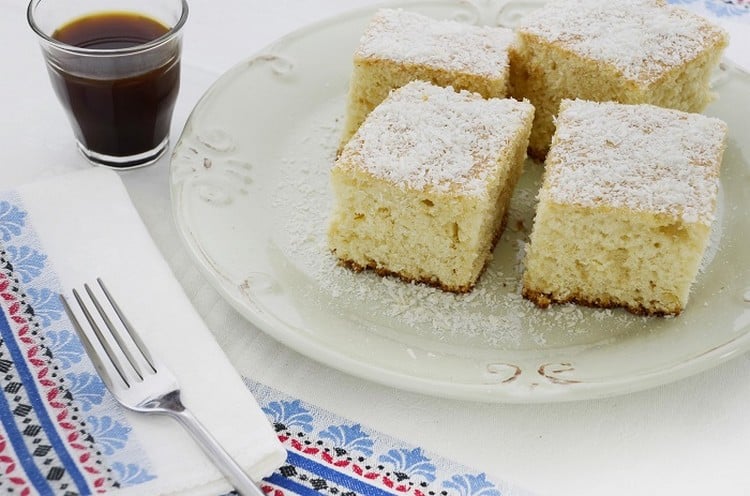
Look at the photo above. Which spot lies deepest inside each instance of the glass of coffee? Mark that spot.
(115, 66)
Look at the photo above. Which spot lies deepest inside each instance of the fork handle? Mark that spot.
(241, 482)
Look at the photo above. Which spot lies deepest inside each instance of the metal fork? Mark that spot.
(144, 384)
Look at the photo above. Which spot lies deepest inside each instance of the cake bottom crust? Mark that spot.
(544, 300)
(383, 272)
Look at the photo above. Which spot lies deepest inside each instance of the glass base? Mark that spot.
(127, 162)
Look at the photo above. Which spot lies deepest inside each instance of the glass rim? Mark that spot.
(165, 38)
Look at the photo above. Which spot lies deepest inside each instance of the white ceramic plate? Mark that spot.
(249, 184)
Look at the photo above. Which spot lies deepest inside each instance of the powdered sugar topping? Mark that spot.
(404, 36)
(641, 38)
(427, 137)
(639, 157)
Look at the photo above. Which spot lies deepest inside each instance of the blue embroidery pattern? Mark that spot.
(289, 414)
(728, 8)
(109, 434)
(65, 347)
(46, 305)
(719, 8)
(351, 438)
(11, 220)
(472, 485)
(87, 388)
(27, 262)
(409, 462)
(50, 468)
(347, 459)
(131, 474)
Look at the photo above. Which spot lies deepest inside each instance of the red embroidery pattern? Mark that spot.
(48, 386)
(348, 466)
(8, 467)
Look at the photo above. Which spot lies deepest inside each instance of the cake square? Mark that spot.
(628, 51)
(422, 188)
(625, 208)
(399, 46)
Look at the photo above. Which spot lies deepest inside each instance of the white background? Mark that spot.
(690, 437)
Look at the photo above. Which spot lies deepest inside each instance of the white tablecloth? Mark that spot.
(690, 437)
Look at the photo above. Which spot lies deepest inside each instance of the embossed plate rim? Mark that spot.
(551, 383)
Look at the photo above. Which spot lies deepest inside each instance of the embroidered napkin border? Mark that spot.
(330, 455)
(60, 429)
(736, 9)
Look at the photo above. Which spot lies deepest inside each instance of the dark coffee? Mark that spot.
(111, 116)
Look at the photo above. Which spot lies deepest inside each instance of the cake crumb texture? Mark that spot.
(422, 189)
(625, 207)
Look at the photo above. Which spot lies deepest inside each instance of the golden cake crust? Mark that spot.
(544, 300)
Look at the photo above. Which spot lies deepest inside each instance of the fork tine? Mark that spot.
(128, 327)
(113, 331)
(102, 340)
(104, 371)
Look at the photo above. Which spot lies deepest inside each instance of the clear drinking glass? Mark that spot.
(115, 67)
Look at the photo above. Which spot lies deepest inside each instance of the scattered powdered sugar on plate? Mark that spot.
(712, 248)
(493, 315)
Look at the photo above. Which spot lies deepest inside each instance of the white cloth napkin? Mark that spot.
(87, 227)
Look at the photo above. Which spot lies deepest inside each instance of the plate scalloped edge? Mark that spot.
(211, 169)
